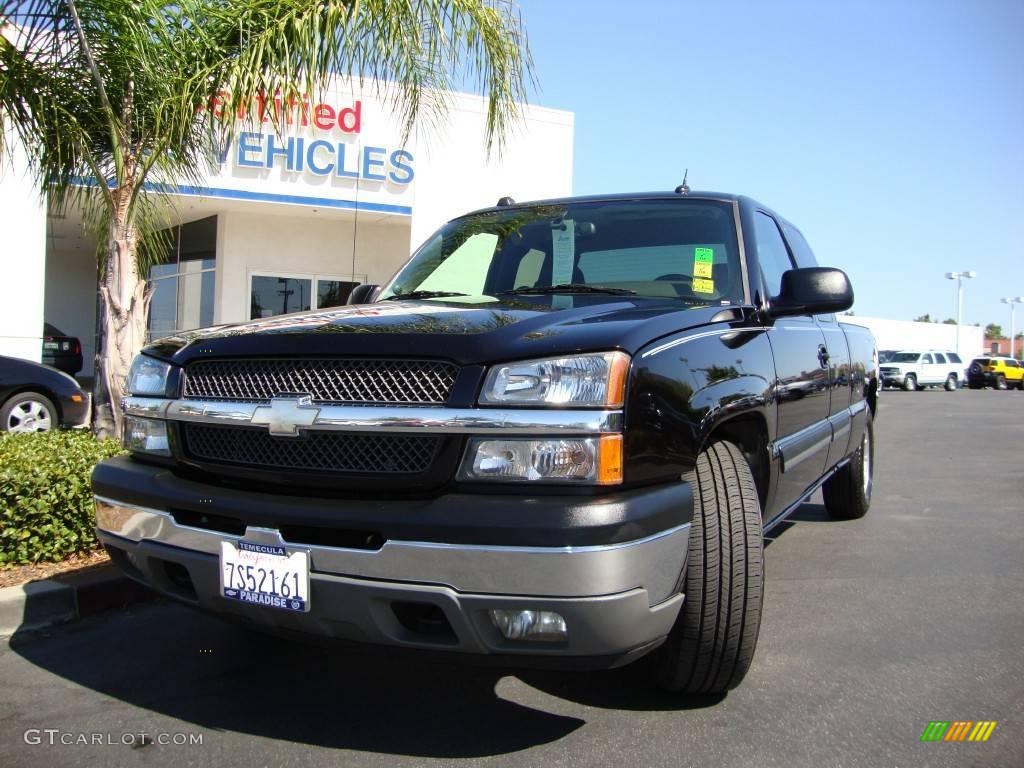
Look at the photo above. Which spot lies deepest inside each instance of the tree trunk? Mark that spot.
(124, 308)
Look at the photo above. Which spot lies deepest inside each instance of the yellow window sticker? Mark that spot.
(703, 258)
(700, 285)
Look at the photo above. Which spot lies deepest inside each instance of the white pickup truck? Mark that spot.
(919, 369)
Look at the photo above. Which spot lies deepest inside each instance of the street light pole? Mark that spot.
(1013, 301)
(959, 277)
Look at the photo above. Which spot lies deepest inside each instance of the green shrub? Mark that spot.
(46, 508)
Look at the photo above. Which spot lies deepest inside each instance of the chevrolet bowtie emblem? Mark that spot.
(285, 415)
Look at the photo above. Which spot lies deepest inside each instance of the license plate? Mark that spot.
(51, 345)
(264, 574)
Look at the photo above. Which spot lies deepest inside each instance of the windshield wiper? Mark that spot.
(424, 295)
(540, 290)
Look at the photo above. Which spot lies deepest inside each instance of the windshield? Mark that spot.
(904, 357)
(675, 249)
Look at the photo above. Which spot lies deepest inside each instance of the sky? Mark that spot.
(891, 133)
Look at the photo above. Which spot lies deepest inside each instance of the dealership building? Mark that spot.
(287, 219)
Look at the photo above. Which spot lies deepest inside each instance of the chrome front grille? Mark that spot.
(315, 451)
(354, 381)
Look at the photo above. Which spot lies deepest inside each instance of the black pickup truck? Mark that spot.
(555, 437)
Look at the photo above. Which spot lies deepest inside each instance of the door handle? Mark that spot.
(823, 355)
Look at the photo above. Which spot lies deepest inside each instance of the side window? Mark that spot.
(939, 358)
(954, 358)
(926, 359)
(1012, 364)
(771, 252)
(798, 245)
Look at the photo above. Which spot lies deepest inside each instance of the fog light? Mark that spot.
(146, 435)
(543, 626)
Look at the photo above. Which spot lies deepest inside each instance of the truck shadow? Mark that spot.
(805, 513)
(217, 677)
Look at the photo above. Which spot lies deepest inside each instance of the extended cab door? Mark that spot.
(802, 383)
(837, 356)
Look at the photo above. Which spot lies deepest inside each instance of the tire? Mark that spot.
(848, 492)
(910, 382)
(710, 648)
(1000, 381)
(951, 383)
(28, 412)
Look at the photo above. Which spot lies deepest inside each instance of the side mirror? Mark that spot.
(812, 291)
(364, 293)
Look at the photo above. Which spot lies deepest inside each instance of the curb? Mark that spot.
(67, 597)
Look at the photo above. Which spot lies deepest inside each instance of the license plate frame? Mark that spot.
(265, 575)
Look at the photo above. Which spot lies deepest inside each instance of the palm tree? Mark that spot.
(107, 96)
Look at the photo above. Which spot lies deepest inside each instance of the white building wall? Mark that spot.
(300, 244)
(71, 298)
(908, 335)
(455, 175)
(22, 257)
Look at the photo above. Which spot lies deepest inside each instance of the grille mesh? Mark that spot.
(322, 451)
(396, 382)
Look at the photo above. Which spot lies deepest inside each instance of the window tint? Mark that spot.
(798, 245)
(954, 357)
(940, 358)
(771, 252)
(904, 357)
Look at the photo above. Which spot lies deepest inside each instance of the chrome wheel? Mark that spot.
(28, 413)
(866, 469)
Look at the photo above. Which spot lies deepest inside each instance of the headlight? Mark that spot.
(593, 460)
(147, 377)
(146, 435)
(577, 381)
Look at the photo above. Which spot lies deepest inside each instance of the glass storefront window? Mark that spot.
(183, 284)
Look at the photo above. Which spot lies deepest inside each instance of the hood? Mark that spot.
(464, 332)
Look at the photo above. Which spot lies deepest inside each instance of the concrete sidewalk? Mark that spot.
(67, 597)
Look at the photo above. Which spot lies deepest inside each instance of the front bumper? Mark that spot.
(618, 598)
(894, 379)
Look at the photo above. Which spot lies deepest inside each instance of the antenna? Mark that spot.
(684, 188)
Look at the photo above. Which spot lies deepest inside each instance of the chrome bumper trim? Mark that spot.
(347, 418)
(653, 563)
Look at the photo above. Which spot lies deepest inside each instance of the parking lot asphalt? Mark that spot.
(872, 629)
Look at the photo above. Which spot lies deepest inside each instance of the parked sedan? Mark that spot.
(37, 398)
(61, 351)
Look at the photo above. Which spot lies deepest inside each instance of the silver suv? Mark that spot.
(919, 369)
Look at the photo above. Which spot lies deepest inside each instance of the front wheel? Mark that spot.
(1000, 381)
(910, 382)
(848, 492)
(710, 648)
(28, 412)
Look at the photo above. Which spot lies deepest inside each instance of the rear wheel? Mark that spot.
(951, 383)
(710, 648)
(910, 382)
(848, 492)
